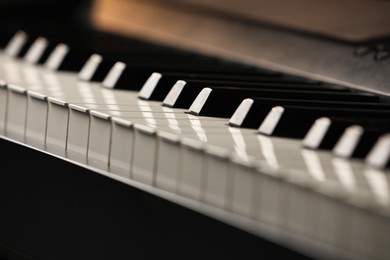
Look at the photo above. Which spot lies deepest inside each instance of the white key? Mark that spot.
(15, 45)
(3, 105)
(379, 156)
(268, 208)
(87, 71)
(218, 175)
(113, 75)
(241, 187)
(99, 140)
(36, 121)
(239, 114)
(122, 143)
(191, 179)
(57, 56)
(174, 93)
(78, 133)
(370, 233)
(16, 112)
(149, 86)
(168, 163)
(316, 133)
(36, 50)
(145, 154)
(348, 141)
(271, 120)
(57, 126)
(274, 181)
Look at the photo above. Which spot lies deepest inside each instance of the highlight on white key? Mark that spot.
(174, 93)
(113, 75)
(36, 50)
(56, 57)
(149, 86)
(200, 100)
(16, 43)
(379, 155)
(316, 133)
(242, 110)
(88, 70)
(270, 122)
(348, 141)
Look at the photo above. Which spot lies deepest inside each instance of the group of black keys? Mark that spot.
(300, 101)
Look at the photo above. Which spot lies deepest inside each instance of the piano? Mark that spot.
(190, 129)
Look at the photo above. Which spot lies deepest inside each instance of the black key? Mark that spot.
(39, 51)
(379, 155)
(239, 80)
(63, 58)
(31, 39)
(5, 37)
(135, 77)
(356, 142)
(48, 50)
(162, 59)
(151, 57)
(326, 132)
(221, 102)
(181, 95)
(248, 113)
(95, 68)
(160, 89)
(25, 47)
(120, 76)
(295, 122)
(17, 44)
(34, 49)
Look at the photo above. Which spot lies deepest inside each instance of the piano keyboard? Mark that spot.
(281, 157)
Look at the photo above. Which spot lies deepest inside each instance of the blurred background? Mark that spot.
(347, 20)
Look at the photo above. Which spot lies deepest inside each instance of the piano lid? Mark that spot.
(347, 20)
(314, 39)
